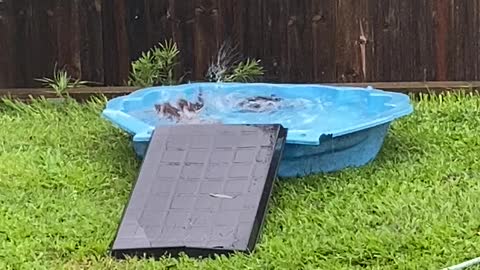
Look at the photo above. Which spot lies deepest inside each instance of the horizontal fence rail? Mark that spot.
(86, 93)
(314, 41)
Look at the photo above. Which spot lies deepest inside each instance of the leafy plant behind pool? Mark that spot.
(61, 82)
(245, 71)
(157, 66)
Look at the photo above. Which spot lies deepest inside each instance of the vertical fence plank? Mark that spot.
(91, 40)
(464, 48)
(402, 39)
(323, 40)
(232, 14)
(20, 42)
(272, 31)
(68, 36)
(36, 38)
(7, 44)
(350, 35)
(182, 21)
(206, 32)
(388, 44)
(115, 42)
(441, 21)
(405, 40)
(275, 56)
(472, 43)
(253, 38)
(158, 25)
(298, 47)
(380, 26)
(136, 21)
(422, 18)
(456, 42)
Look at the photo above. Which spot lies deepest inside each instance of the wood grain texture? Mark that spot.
(276, 35)
(91, 40)
(181, 16)
(116, 53)
(463, 44)
(254, 28)
(351, 37)
(297, 40)
(441, 14)
(299, 32)
(7, 44)
(35, 40)
(472, 45)
(66, 30)
(423, 25)
(323, 40)
(207, 28)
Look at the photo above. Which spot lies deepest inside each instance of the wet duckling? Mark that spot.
(168, 111)
(184, 110)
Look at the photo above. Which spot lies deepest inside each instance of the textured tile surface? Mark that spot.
(202, 189)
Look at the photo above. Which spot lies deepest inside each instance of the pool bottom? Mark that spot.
(333, 154)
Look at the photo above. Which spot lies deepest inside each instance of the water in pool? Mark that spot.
(299, 114)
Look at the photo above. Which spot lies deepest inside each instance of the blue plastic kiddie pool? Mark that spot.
(329, 128)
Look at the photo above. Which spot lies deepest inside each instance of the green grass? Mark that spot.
(65, 175)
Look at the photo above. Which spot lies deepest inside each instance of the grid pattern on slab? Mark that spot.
(199, 186)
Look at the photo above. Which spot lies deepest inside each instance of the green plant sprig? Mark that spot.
(246, 71)
(156, 66)
(61, 82)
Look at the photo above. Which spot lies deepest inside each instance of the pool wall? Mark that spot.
(353, 145)
(352, 150)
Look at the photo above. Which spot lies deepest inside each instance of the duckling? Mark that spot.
(168, 111)
(184, 111)
(182, 104)
(187, 106)
(259, 103)
(187, 111)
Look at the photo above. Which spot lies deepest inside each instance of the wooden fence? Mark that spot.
(297, 40)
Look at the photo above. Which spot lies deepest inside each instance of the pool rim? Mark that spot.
(142, 131)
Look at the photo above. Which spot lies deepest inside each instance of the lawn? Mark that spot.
(65, 175)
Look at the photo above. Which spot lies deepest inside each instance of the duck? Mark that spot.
(168, 111)
(184, 111)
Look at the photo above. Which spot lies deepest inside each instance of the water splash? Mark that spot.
(241, 107)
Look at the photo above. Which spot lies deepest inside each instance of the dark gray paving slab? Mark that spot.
(201, 190)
